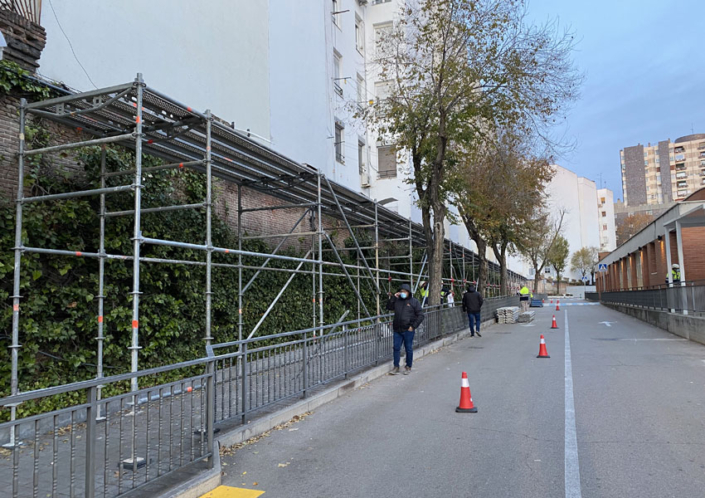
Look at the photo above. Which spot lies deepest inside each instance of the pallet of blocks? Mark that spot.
(508, 314)
(526, 317)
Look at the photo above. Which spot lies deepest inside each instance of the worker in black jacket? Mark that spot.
(472, 304)
(407, 318)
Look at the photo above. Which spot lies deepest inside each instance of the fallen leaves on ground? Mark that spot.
(230, 450)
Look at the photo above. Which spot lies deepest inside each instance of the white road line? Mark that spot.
(572, 466)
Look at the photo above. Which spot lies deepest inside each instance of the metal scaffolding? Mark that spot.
(146, 121)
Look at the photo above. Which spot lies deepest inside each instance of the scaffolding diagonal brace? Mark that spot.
(350, 281)
(352, 234)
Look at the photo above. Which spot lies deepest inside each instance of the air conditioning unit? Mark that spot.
(365, 180)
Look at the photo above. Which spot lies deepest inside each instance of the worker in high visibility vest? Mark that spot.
(524, 298)
(676, 273)
(424, 293)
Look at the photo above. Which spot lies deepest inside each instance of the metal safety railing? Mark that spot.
(128, 440)
(688, 297)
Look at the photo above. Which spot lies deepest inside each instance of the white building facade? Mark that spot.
(290, 73)
(608, 230)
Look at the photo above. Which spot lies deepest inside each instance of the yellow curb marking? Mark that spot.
(230, 492)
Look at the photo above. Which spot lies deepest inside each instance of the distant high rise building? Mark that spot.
(663, 172)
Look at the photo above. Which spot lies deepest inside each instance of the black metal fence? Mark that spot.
(685, 296)
(109, 447)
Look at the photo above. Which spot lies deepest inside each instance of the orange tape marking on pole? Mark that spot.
(100, 318)
(137, 119)
(135, 324)
(15, 307)
(227, 251)
(181, 165)
(78, 253)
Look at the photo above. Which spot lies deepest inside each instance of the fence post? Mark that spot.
(378, 334)
(90, 442)
(305, 363)
(210, 410)
(345, 349)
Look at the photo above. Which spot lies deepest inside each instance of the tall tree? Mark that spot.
(543, 233)
(631, 225)
(453, 67)
(558, 257)
(583, 261)
(497, 191)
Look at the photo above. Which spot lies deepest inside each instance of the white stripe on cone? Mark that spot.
(465, 383)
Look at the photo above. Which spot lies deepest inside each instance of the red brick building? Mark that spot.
(675, 237)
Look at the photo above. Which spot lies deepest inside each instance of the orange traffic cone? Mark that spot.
(558, 305)
(466, 405)
(554, 325)
(542, 349)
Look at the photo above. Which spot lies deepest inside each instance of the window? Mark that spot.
(682, 184)
(377, 2)
(680, 157)
(339, 142)
(604, 227)
(680, 166)
(359, 35)
(646, 163)
(382, 39)
(361, 156)
(682, 175)
(604, 214)
(387, 160)
(602, 200)
(701, 146)
(383, 89)
(361, 97)
(702, 163)
(337, 71)
(336, 8)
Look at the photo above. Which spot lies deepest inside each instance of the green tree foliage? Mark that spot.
(584, 260)
(558, 257)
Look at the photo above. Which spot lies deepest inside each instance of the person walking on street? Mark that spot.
(524, 298)
(450, 299)
(408, 315)
(472, 305)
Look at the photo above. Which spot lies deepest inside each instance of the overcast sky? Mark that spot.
(644, 66)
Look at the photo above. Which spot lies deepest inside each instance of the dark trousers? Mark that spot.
(406, 337)
(474, 319)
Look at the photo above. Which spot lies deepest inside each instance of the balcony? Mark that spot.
(680, 166)
(677, 150)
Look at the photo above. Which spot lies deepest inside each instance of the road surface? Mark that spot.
(637, 429)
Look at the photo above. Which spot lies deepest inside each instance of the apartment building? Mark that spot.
(663, 172)
(606, 220)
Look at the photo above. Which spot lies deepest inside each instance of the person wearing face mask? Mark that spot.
(408, 315)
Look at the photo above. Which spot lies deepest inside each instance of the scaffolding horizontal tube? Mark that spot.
(154, 168)
(43, 104)
(286, 206)
(278, 235)
(108, 102)
(75, 145)
(79, 193)
(199, 247)
(164, 209)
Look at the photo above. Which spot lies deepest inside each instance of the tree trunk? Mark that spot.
(537, 277)
(436, 259)
(482, 269)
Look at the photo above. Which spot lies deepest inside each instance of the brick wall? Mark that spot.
(56, 163)
(25, 39)
(694, 252)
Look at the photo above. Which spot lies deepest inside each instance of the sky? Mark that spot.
(644, 68)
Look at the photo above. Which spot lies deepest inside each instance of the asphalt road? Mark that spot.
(639, 397)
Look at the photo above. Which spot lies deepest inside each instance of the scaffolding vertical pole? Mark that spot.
(14, 348)
(134, 348)
(101, 279)
(465, 275)
(379, 311)
(358, 286)
(209, 242)
(239, 267)
(320, 256)
(411, 255)
(450, 246)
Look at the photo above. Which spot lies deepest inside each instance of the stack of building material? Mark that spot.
(526, 317)
(508, 314)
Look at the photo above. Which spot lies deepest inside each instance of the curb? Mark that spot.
(208, 481)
